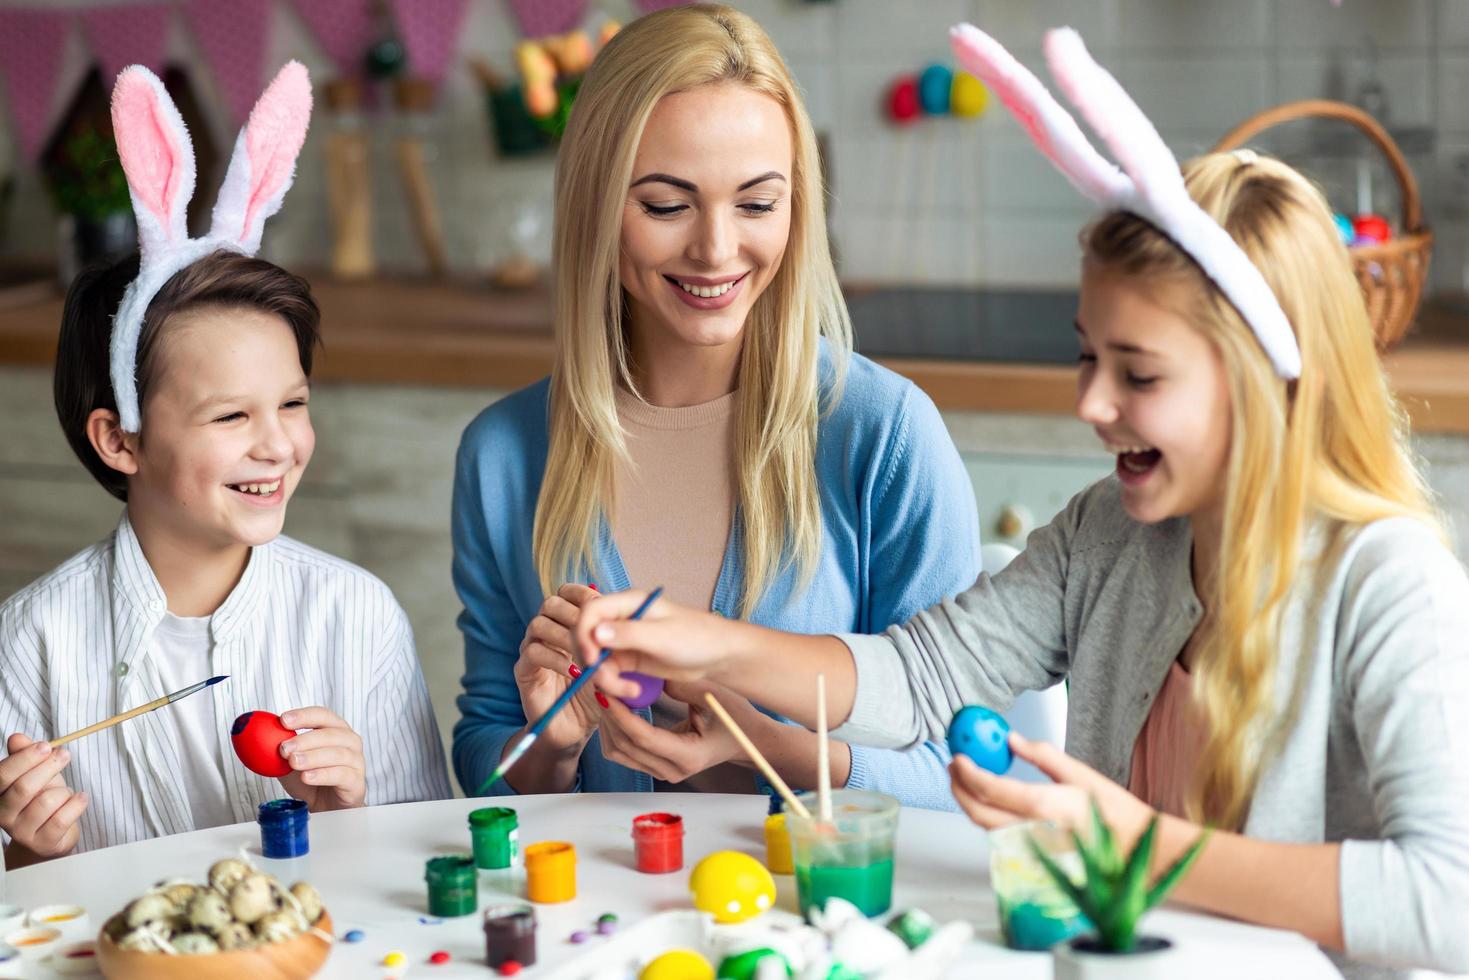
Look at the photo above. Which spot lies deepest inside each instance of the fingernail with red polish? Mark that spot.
(574, 671)
(602, 700)
(593, 586)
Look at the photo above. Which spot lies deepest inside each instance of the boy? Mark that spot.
(200, 424)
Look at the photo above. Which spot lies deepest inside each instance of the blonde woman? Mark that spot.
(1261, 623)
(706, 427)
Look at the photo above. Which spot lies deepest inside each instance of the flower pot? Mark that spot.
(1153, 958)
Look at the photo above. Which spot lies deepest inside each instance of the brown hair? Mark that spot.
(83, 382)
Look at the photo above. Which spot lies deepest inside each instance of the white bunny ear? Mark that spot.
(1113, 116)
(1051, 127)
(157, 157)
(264, 160)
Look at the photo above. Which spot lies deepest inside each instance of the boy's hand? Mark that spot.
(37, 809)
(329, 771)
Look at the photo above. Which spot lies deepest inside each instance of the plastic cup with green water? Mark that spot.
(1035, 914)
(851, 857)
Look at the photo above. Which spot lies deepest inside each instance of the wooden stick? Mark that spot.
(115, 719)
(823, 752)
(757, 758)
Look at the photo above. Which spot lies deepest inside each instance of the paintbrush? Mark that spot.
(141, 709)
(559, 703)
(757, 758)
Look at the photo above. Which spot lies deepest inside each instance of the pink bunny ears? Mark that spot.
(1149, 184)
(158, 159)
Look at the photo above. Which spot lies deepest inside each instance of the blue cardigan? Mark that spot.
(899, 532)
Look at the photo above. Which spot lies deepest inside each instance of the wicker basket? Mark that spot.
(1391, 274)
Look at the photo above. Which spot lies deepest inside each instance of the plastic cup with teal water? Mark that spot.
(851, 857)
(1035, 914)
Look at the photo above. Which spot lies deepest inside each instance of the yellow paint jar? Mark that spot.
(550, 872)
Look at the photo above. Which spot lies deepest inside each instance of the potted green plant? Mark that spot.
(1114, 896)
(88, 185)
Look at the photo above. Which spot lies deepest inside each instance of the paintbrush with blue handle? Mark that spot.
(561, 702)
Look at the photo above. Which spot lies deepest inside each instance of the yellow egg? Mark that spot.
(731, 886)
(968, 97)
(678, 964)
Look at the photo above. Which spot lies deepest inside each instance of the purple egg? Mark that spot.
(651, 687)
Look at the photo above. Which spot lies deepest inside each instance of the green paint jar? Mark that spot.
(453, 885)
(495, 834)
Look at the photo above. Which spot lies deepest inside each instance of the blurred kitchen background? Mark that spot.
(422, 213)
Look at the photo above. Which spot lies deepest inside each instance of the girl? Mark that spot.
(706, 427)
(1261, 624)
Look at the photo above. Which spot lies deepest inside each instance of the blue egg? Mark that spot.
(934, 86)
(983, 735)
(353, 936)
(1344, 228)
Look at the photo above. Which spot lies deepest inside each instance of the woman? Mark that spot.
(706, 427)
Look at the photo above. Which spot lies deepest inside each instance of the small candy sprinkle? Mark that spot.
(606, 927)
(439, 957)
(509, 968)
(394, 958)
(424, 920)
(353, 936)
(579, 937)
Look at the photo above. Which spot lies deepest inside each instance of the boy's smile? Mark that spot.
(226, 431)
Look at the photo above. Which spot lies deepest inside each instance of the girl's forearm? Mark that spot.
(1285, 886)
(778, 670)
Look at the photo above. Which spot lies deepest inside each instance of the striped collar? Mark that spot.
(135, 583)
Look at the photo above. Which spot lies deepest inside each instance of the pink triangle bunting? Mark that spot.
(127, 34)
(541, 17)
(232, 35)
(430, 33)
(31, 43)
(343, 28)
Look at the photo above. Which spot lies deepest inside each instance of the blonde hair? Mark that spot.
(778, 510)
(1332, 445)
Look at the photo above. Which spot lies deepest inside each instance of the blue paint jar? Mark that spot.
(283, 828)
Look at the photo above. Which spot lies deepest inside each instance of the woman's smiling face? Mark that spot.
(708, 213)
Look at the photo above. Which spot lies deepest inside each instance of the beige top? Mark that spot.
(671, 522)
(1168, 747)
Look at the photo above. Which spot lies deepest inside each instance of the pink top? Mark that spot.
(1168, 747)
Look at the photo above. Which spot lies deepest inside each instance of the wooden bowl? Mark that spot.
(294, 959)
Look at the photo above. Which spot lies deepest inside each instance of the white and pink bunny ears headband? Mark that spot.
(1149, 185)
(158, 159)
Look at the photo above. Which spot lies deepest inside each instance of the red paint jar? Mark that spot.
(658, 840)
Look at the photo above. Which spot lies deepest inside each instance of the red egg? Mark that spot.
(902, 100)
(257, 738)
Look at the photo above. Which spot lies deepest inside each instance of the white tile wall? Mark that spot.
(931, 201)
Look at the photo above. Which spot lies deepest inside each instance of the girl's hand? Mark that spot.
(37, 809)
(546, 669)
(670, 641)
(329, 771)
(995, 801)
(677, 753)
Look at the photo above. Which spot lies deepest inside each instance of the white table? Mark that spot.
(368, 865)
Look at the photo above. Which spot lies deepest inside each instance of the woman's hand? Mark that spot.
(328, 769)
(546, 669)
(674, 754)
(995, 801)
